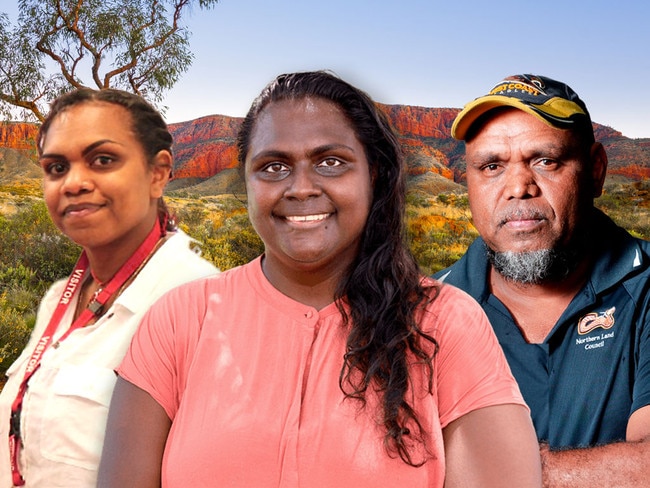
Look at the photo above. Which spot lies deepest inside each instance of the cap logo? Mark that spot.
(510, 87)
(594, 320)
(530, 84)
(551, 101)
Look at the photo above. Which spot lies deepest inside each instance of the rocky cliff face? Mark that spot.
(17, 135)
(205, 128)
(421, 122)
(205, 147)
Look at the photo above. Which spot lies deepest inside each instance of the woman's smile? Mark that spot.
(307, 219)
(309, 186)
(81, 210)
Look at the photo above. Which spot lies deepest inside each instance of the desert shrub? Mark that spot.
(417, 199)
(437, 241)
(33, 254)
(30, 239)
(223, 230)
(24, 300)
(438, 250)
(15, 329)
(628, 205)
(191, 217)
(18, 276)
(432, 257)
(233, 243)
(462, 202)
(455, 200)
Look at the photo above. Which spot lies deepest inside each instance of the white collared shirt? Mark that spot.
(66, 404)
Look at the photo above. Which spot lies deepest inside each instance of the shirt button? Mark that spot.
(309, 314)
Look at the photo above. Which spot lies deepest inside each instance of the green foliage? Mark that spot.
(192, 219)
(15, 328)
(454, 200)
(137, 46)
(33, 254)
(19, 277)
(438, 249)
(227, 236)
(628, 204)
(236, 243)
(19, 191)
(417, 199)
(30, 239)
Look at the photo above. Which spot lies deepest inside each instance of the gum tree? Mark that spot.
(140, 46)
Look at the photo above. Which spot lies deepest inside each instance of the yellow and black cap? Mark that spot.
(553, 102)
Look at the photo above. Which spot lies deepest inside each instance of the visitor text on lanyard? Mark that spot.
(90, 312)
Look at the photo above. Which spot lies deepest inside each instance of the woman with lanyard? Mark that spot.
(329, 361)
(106, 158)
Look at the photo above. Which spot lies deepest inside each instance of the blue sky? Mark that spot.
(420, 52)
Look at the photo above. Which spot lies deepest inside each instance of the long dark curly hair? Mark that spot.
(147, 124)
(383, 288)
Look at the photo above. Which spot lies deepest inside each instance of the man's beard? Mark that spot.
(534, 267)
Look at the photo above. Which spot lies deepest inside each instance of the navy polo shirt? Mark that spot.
(593, 370)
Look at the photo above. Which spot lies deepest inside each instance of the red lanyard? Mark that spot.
(93, 309)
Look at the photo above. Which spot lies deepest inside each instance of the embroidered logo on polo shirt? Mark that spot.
(594, 320)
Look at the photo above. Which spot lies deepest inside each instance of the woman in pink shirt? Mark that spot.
(329, 360)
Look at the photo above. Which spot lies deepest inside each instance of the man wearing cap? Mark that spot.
(566, 290)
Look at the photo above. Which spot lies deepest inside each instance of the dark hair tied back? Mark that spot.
(147, 124)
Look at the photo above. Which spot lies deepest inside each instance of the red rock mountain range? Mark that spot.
(204, 147)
